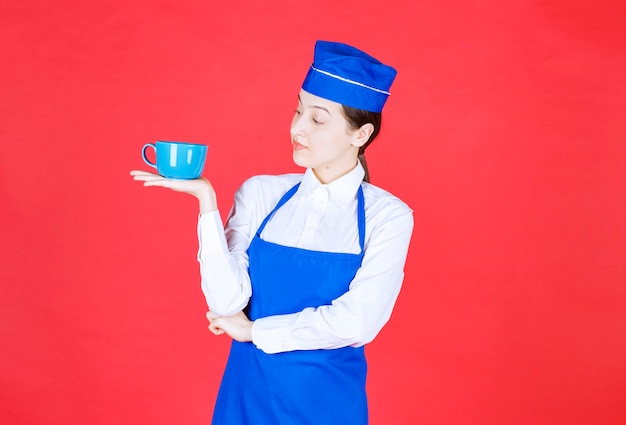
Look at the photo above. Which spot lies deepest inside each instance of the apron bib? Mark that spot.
(295, 387)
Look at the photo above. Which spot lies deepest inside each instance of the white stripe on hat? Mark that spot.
(350, 81)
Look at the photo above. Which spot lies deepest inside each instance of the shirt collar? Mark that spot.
(343, 190)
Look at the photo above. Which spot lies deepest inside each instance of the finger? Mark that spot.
(211, 316)
(157, 182)
(141, 173)
(148, 177)
(216, 329)
(145, 176)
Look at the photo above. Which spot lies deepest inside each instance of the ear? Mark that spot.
(362, 135)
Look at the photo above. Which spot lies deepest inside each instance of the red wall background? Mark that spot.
(504, 132)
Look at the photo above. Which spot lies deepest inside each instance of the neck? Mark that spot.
(328, 175)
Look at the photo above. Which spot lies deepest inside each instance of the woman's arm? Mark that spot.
(357, 316)
(223, 259)
(353, 319)
(223, 264)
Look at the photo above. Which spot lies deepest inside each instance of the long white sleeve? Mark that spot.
(225, 281)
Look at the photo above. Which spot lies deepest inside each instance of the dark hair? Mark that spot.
(357, 118)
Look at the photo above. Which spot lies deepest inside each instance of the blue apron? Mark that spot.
(321, 387)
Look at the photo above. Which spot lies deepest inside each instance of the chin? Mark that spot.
(298, 160)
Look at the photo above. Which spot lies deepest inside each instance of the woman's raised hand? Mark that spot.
(200, 188)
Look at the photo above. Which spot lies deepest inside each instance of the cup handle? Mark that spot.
(143, 154)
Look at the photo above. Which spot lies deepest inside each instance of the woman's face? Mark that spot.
(322, 139)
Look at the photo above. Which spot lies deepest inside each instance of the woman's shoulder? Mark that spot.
(378, 202)
(267, 189)
(271, 183)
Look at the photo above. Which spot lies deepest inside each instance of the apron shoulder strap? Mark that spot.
(287, 196)
(360, 213)
(361, 218)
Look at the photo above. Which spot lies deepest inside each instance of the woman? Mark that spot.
(308, 267)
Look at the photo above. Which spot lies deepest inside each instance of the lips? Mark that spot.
(298, 147)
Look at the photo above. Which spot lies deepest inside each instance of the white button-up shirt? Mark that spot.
(321, 217)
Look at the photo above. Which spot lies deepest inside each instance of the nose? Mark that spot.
(297, 129)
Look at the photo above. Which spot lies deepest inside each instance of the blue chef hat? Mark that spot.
(346, 75)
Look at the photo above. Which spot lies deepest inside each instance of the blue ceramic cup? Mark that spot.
(177, 160)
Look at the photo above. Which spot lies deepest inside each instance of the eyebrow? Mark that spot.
(316, 107)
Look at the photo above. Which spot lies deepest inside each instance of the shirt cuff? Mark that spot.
(271, 334)
(211, 234)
